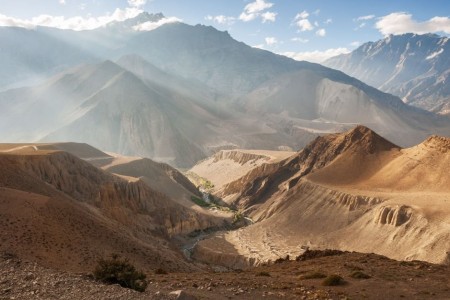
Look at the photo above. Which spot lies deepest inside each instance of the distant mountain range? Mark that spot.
(180, 93)
(414, 67)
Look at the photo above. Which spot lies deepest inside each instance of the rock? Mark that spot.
(182, 295)
(29, 276)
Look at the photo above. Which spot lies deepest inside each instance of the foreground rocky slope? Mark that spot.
(387, 279)
(65, 213)
(353, 191)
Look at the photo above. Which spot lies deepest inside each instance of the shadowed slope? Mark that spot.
(66, 213)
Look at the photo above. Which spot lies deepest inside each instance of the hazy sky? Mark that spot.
(311, 30)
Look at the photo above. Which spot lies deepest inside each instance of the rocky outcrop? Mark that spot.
(439, 143)
(395, 216)
(239, 157)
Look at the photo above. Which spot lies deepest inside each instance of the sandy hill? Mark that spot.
(354, 191)
(64, 212)
(159, 176)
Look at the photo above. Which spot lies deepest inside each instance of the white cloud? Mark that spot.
(321, 32)
(365, 18)
(221, 19)
(302, 22)
(316, 56)
(401, 22)
(256, 9)
(297, 39)
(328, 21)
(260, 46)
(137, 3)
(268, 16)
(74, 23)
(148, 26)
(303, 15)
(434, 54)
(247, 17)
(304, 25)
(62, 2)
(257, 6)
(271, 41)
(355, 44)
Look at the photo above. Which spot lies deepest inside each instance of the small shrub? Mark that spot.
(359, 275)
(160, 271)
(199, 201)
(314, 275)
(266, 274)
(312, 254)
(333, 280)
(120, 271)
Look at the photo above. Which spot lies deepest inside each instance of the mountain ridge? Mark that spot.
(411, 66)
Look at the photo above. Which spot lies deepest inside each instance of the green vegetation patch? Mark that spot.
(199, 201)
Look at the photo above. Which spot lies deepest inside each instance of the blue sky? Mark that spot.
(310, 29)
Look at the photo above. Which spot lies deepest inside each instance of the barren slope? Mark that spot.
(353, 191)
(229, 165)
(65, 213)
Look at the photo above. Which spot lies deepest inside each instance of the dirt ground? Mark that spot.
(389, 279)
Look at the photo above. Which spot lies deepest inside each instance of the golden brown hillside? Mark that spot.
(352, 191)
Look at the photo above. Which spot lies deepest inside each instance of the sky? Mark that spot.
(311, 30)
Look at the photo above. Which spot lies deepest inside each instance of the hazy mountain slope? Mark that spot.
(30, 55)
(209, 56)
(184, 92)
(112, 109)
(353, 191)
(309, 100)
(115, 110)
(30, 113)
(209, 98)
(414, 67)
